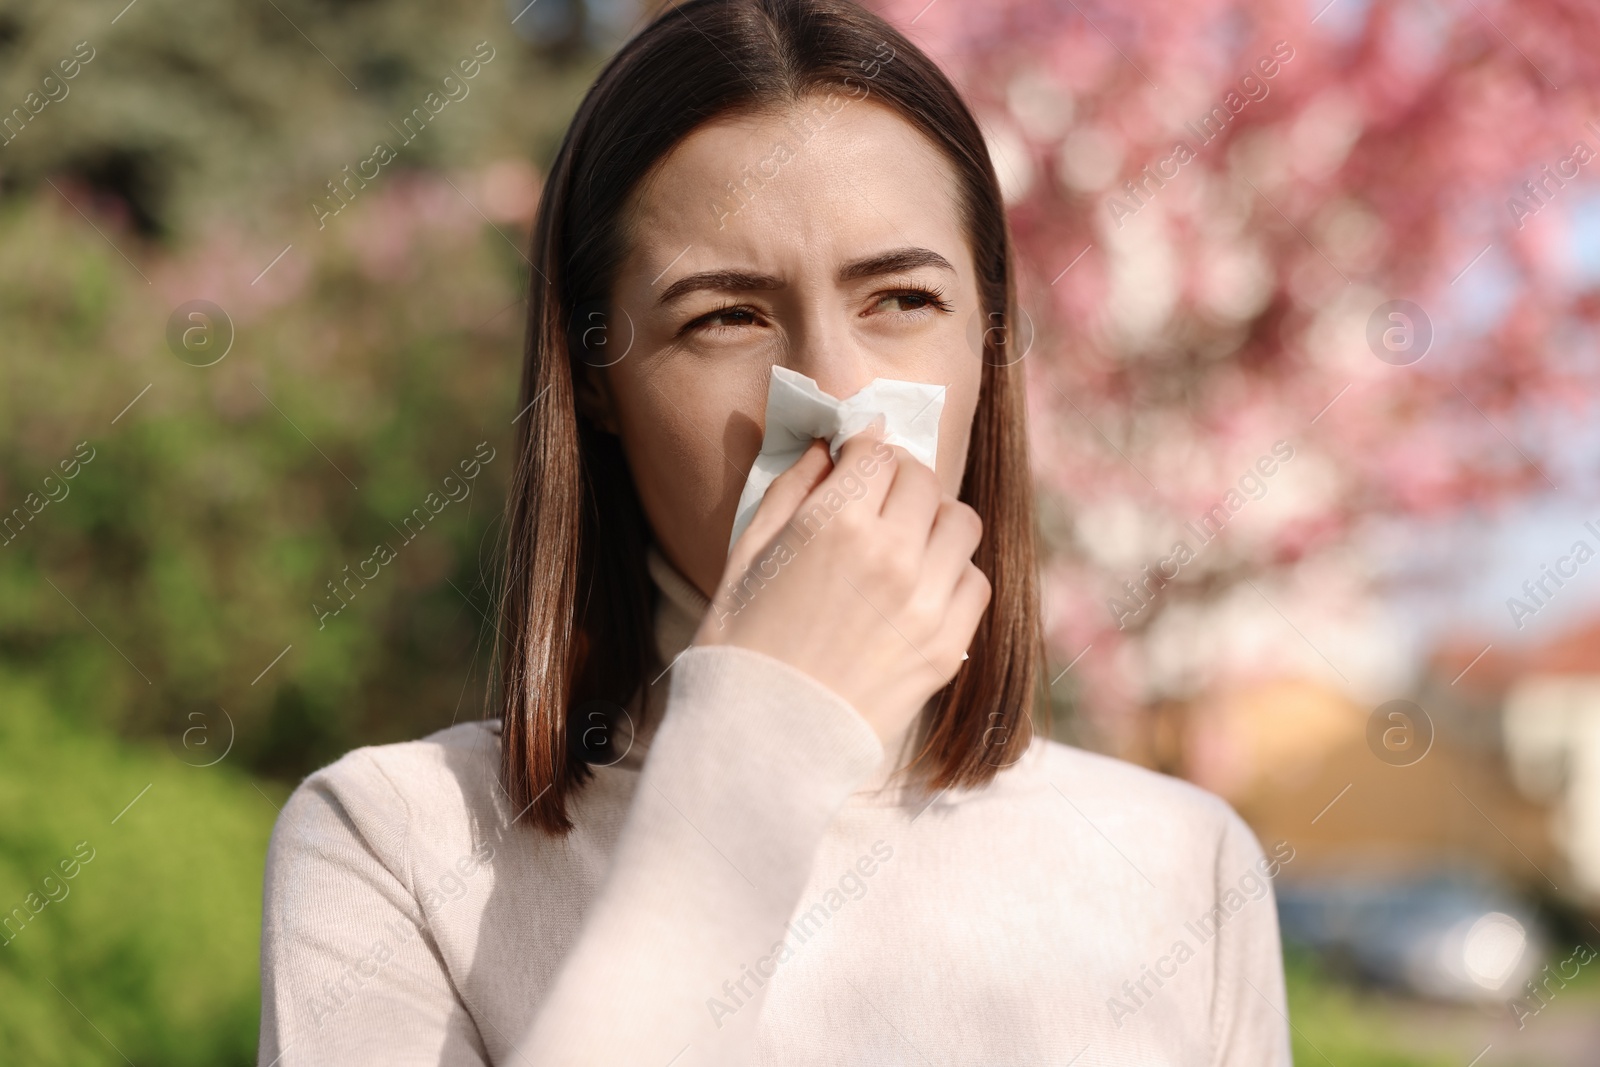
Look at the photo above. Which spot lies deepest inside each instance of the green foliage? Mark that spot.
(1334, 1025)
(209, 519)
(191, 549)
(185, 112)
(377, 352)
(163, 598)
(155, 939)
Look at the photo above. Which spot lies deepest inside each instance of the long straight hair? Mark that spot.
(576, 601)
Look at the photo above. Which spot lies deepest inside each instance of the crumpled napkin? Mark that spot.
(799, 412)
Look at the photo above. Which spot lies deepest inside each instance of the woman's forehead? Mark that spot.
(831, 178)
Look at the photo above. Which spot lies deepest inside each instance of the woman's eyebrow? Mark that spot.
(894, 261)
(725, 281)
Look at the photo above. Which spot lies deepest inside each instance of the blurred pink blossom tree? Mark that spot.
(1213, 200)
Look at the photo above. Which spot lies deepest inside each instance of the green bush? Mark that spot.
(153, 945)
(190, 550)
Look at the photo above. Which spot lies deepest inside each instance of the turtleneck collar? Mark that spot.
(681, 608)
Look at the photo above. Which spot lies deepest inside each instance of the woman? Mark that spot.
(780, 805)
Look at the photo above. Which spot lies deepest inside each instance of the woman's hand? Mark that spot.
(860, 574)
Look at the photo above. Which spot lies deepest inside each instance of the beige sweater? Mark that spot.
(751, 894)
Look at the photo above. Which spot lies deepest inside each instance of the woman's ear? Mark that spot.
(592, 393)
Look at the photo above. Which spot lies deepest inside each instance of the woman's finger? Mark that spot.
(782, 499)
(967, 605)
(955, 536)
(862, 475)
(912, 502)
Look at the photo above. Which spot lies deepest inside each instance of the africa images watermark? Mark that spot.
(455, 489)
(1541, 191)
(1253, 886)
(343, 194)
(805, 525)
(1212, 124)
(1522, 1008)
(851, 885)
(55, 490)
(1538, 592)
(52, 89)
(1252, 486)
(55, 891)
(752, 179)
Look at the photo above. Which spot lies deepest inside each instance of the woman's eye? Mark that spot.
(912, 300)
(904, 302)
(724, 318)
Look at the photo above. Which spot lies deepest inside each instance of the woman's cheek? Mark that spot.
(952, 455)
(955, 430)
(688, 425)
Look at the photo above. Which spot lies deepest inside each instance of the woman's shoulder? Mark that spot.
(412, 770)
(1142, 803)
(1095, 772)
(392, 796)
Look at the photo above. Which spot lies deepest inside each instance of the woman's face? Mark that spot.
(825, 238)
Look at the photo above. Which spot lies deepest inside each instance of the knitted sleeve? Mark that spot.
(349, 971)
(1249, 1012)
(752, 761)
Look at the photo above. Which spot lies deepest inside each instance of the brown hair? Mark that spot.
(576, 600)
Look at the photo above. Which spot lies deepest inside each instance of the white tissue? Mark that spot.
(798, 412)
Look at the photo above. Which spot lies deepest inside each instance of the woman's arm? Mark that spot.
(749, 766)
(349, 972)
(1249, 1013)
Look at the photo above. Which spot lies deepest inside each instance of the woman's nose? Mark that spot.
(824, 349)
